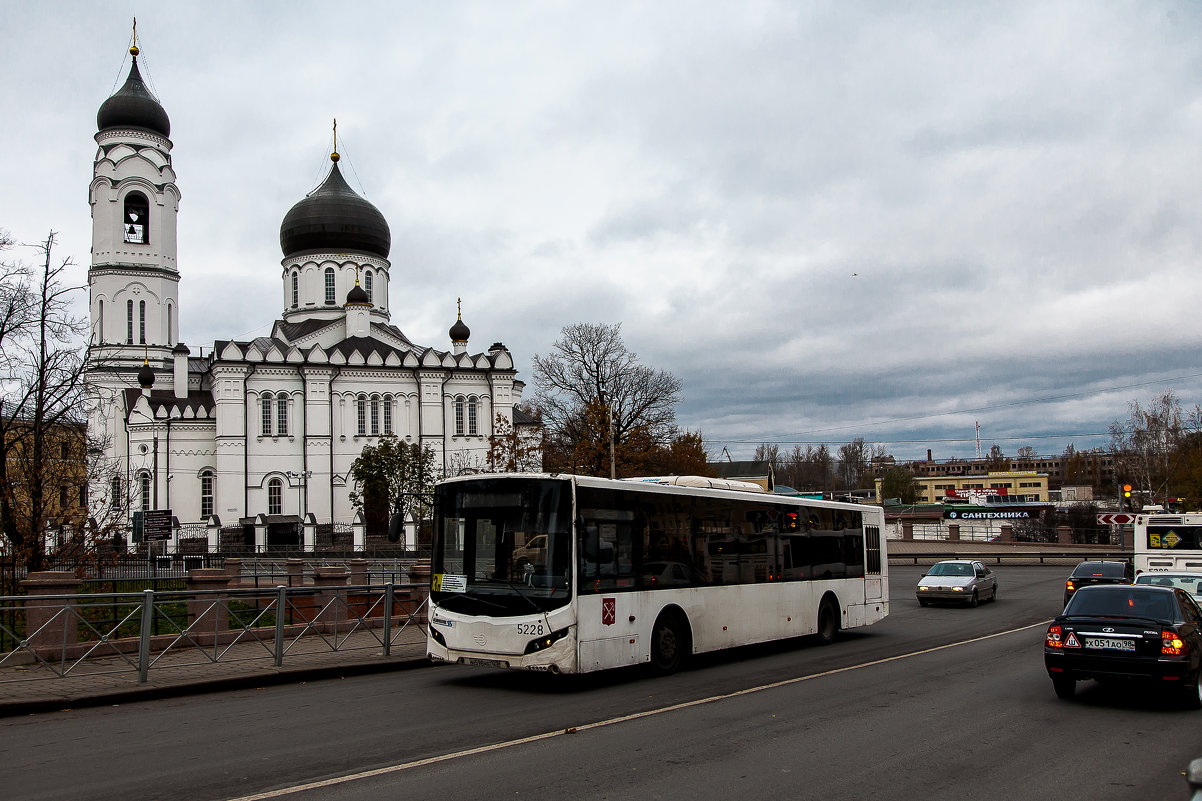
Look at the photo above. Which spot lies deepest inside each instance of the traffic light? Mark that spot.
(1126, 501)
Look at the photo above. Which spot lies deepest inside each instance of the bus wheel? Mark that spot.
(668, 644)
(828, 622)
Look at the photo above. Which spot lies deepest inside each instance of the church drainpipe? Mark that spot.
(333, 378)
(246, 443)
(304, 415)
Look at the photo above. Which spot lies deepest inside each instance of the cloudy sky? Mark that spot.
(829, 220)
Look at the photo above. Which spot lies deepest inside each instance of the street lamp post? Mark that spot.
(301, 479)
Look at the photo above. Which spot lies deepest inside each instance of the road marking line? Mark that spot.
(483, 749)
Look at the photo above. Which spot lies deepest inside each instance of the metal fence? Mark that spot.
(98, 633)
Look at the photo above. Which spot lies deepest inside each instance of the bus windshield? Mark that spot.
(503, 546)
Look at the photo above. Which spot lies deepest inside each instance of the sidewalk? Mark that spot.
(31, 689)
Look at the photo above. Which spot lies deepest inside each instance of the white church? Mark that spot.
(260, 435)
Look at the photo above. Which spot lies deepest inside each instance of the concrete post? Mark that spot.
(358, 569)
(213, 531)
(328, 580)
(1064, 535)
(953, 532)
(51, 624)
(296, 571)
(207, 612)
(907, 531)
(233, 568)
(419, 577)
(1007, 534)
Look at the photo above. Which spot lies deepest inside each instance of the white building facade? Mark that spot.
(261, 433)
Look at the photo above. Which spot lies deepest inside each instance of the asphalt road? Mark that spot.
(933, 703)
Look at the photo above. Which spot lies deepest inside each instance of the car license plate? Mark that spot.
(1109, 644)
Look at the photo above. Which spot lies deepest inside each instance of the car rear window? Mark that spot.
(1132, 602)
(1104, 569)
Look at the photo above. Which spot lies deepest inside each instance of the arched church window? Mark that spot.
(265, 411)
(281, 414)
(206, 493)
(100, 320)
(387, 414)
(141, 322)
(136, 222)
(471, 417)
(144, 480)
(459, 417)
(375, 415)
(330, 294)
(361, 408)
(295, 289)
(275, 497)
(367, 285)
(168, 323)
(129, 322)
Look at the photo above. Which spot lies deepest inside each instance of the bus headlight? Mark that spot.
(544, 642)
(437, 636)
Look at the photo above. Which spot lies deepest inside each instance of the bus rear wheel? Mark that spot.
(828, 622)
(669, 641)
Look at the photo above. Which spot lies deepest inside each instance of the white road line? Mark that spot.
(367, 774)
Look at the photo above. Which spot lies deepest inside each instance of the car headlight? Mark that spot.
(957, 589)
(923, 588)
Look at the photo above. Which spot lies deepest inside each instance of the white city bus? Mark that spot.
(571, 574)
(1168, 542)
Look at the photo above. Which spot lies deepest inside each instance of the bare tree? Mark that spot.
(591, 389)
(46, 456)
(1145, 442)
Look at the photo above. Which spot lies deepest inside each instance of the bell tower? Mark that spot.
(133, 280)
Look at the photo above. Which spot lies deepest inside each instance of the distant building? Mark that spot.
(756, 472)
(1019, 486)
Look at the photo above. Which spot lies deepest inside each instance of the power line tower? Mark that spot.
(978, 440)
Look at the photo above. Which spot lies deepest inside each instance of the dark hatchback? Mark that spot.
(1128, 632)
(1090, 573)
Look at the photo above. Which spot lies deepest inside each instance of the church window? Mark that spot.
(129, 322)
(206, 493)
(471, 417)
(387, 414)
(367, 285)
(100, 320)
(459, 417)
(281, 414)
(141, 322)
(330, 294)
(145, 482)
(375, 416)
(168, 323)
(266, 414)
(275, 497)
(115, 492)
(361, 408)
(135, 223)
(62, 497)
(295, 289)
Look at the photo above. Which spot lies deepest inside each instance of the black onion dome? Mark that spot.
(357, 295)
(333, 218)
(459, 331)
(145, 376)
(133, 106)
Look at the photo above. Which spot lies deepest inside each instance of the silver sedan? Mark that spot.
(961, 580)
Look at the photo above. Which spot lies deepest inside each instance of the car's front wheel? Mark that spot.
(923, 602)
(974, 600)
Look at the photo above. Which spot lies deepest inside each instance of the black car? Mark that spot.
(1129, 632)
(1088, 573)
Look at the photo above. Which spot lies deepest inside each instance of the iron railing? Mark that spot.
(63, 635)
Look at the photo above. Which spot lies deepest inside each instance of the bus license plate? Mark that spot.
(1108, 644)
(497, 663)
